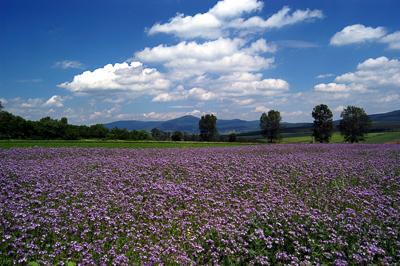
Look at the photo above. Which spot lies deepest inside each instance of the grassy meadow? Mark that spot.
(372, 138)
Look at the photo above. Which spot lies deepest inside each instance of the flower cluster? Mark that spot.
(260, 205)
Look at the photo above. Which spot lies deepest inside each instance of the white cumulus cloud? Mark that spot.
(132, 77)
(331, 87)
(278, 20)
(374, 73)
(55, 100)
(393, 40)
(359, 33)
(229, 15)
(374, 80)
(221, 55)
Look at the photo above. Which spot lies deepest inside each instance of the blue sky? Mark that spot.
(100, 61)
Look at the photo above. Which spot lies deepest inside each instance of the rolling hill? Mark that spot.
(188, 123)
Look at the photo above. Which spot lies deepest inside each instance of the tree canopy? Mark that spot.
(16, 127)
(270, 125)
(323, 123)
(208, 127)
(177, 136)
(354, 124)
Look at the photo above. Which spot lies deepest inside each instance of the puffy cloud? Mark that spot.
(227, 15)
(131, 77)
(331, 87)
(375, 81)
(243, 102)
(181, 94)
(69, 64)
(374, 73)
(393, 40)
(55, 100)
(280, 19)
(201, 94)
(30, 103)
(168, 97)
(261, 109)
(200, 25)
(244, 84)
(234, 8)
(359, 33)
(210, 50)
(261, 46)
(339, 108)
(221, 55)
(226, 67)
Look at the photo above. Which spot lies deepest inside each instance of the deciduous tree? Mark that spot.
(208, 127)
(323, 124)
(177, 136)
(354, 124)
(270, 125)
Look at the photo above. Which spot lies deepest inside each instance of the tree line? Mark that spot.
(353, 126)
(16, 127)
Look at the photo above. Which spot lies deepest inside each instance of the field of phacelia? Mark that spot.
(267, 204)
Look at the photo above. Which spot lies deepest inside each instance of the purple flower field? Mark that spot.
(261, 205)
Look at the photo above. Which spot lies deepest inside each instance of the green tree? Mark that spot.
(118, 133)
(270, 125)
(158, 134)
(232, 137)
(98, 131)
(208, 127)
(1, 106)
(177, 136)
(323, 124)
(354, 124)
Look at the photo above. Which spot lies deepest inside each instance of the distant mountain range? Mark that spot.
(190, 124)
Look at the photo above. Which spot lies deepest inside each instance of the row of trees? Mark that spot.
(15, 127)
(158, 134)
(353, 125)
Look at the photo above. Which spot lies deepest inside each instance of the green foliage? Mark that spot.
(232, 137)
(118, 133)
(354, 124)
(323, 124)
(15, 127)
(190, 137)
(97, 131)
(208, 127)
(177, 136)
(158, 134)
(270, 125)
